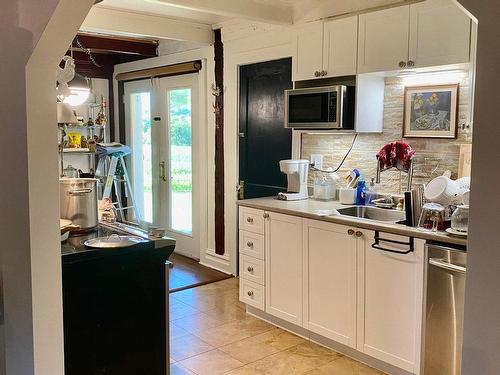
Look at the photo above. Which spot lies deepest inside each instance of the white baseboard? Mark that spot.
(218, 262)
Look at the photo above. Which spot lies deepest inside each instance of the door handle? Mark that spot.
(447, 266)
(163, 173)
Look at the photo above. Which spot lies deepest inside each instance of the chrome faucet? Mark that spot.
(410, 175)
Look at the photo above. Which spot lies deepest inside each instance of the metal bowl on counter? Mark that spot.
(78, 202)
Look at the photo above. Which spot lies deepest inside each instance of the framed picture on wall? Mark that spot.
(430, 111)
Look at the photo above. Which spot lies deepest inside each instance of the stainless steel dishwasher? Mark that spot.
(444, 310)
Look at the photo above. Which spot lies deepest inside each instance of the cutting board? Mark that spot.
(464, 161)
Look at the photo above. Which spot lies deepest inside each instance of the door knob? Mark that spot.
(350, 232)
(250, 269)
(250, 293)
(323, 72)
(359, 234)
(317, 73)
(402, 64)
(411, 63)
(249, 220)
(265, 215)
(249, 244)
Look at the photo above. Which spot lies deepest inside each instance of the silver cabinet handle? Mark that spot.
(250, 269)
(411, 63)
(350, 232)
(80, 191)
(249, 244)
(447, 266)
(358, 233)
(250, 293)
(402, 64)
(249, 220)
(265, 215)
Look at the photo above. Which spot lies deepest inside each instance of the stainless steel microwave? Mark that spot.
(328, 107)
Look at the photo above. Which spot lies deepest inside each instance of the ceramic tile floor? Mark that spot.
(210, 334)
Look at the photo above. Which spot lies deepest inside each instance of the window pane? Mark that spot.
(181, 177)
(142, 163)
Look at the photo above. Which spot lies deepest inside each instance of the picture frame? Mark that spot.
(431, 111)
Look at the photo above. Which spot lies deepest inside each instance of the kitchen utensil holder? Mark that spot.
(378, 239)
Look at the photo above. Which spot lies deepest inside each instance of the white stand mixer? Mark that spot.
(296, 171)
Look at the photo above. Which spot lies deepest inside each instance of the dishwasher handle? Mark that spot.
(441, 263)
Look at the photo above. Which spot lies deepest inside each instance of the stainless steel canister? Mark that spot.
(78, 200)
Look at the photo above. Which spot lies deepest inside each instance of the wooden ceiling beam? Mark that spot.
(117, 22)
(271, 12)
(102, 44)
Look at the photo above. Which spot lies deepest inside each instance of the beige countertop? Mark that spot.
(308, 208)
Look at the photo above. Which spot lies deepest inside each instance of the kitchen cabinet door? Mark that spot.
(340, 47)
(330, 259)
(439, 34)
(283, 265)
(390, 289)
(383, 40)
(308, 58)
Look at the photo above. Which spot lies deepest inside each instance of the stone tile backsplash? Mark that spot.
(432, 156)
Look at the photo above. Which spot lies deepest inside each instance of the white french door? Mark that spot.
(165, 153)
(138, 99)
(177, 104)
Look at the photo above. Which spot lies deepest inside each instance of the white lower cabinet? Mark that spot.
(330, 281)
(283, 253)
(390, 289)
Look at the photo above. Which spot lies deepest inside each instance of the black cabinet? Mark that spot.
(115, 312)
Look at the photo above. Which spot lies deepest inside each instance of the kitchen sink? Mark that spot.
(373, 213)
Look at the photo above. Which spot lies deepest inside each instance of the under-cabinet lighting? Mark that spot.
(432, 78)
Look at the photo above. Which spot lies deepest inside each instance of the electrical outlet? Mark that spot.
(317, 161)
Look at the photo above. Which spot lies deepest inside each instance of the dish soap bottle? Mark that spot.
(370, 192)
(360, 192)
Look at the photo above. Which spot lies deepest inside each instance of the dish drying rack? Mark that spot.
(409, 173)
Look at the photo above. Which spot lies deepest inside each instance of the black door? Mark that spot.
(263, 139)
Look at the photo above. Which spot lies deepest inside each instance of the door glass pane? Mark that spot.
(181, 169)
(141, 147)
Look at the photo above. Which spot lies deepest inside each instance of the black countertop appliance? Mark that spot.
(115, 307)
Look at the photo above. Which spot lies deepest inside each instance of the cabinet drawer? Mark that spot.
(252, 220)
(252, 294)
(252, 269)
(252, 244)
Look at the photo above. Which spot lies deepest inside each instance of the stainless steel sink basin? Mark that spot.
(373, 213)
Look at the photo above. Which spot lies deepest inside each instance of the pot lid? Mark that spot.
(113, 241)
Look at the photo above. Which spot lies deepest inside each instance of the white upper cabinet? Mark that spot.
(425, 34)
(439, 34)
(330, 281)
(390, 288)
(283, 265)
(308, 61)
(340, 44)
(326, 49)
(383, 40)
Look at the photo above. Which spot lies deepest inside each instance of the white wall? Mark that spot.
(481, 354)
(31, 48)
(244, 43)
